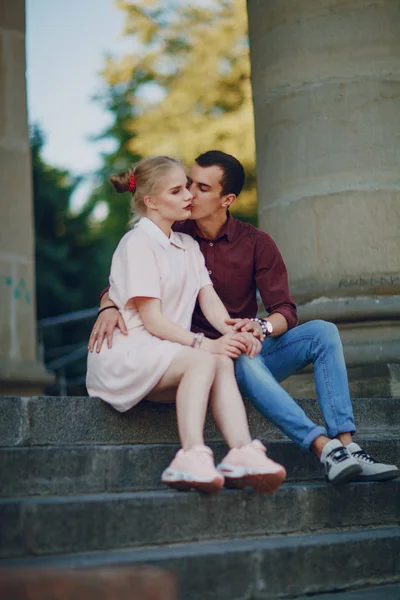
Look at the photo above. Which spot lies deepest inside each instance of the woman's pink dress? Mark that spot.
(149, 264)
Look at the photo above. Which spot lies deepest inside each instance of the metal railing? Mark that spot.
(63, 356)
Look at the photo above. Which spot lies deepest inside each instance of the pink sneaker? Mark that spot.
(249, 466)
(193, 469)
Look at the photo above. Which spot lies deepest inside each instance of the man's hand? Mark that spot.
(104, 326)
(253, 345)
(246, 325)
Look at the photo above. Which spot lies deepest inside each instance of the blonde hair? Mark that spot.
(147, 174)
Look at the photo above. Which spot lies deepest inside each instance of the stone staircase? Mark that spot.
(80, 486)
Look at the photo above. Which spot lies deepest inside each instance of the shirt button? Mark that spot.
(211, 244)
(209, 272)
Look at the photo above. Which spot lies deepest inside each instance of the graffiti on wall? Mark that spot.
(370, 282)
(19, 288)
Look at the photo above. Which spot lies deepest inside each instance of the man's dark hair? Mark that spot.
(233, 172)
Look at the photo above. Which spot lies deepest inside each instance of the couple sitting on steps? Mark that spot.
(180, 314)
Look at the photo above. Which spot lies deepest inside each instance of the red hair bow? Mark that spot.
(132, 183)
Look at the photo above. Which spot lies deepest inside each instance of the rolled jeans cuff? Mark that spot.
(314, 433)
(347, 427)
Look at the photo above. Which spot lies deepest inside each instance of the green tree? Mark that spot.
(184, 89)
(70, 249)
(72, 255)
(119, 101)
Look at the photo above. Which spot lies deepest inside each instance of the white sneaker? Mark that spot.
(340, 466)
(372, 470)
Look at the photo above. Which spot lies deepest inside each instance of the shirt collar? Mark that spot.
(155, 232)
(227, 231)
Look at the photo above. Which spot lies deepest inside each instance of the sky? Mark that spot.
(66, 43)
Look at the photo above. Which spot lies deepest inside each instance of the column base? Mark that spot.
(23, 378)
(369, 328)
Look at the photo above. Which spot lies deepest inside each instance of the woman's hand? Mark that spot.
(230, 344)
(104, 326)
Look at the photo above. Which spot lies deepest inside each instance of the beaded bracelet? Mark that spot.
(198, 338)
(263, 325)
(106, 308)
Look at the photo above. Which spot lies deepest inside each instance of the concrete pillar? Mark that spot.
(326, 92)
(20, 372)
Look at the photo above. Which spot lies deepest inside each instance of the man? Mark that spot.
(240, 259)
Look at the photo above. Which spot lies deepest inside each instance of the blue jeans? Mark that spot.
(316, 342)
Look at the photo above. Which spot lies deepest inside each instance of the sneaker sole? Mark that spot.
(207, 487)
(346, 475)
(264, 483)
(386, 476)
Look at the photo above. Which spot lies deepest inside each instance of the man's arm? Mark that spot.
(106, 322)
(272, 281)
(279, 324)
(252, 326)
(105, 298)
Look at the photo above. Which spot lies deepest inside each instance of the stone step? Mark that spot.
(56, 525)
(65, 421)
(265, 568)
(382, 592)
(53, 470)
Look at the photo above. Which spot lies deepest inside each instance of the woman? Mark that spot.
(156, 277)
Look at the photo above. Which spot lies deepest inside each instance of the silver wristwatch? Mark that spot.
(266, 326)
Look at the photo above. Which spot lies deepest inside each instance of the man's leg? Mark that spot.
(260, 386)
(257, 383)
(316, 342)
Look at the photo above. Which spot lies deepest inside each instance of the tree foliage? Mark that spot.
(70, 261)
(184, 89)
(72, 257)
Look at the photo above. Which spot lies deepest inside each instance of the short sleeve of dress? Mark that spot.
(134, 272)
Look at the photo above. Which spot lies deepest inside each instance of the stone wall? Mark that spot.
(326, 92)
(326, 89)
(19, 370)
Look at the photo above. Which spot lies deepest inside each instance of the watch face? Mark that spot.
(270, 327)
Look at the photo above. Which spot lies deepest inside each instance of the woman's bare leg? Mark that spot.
(192, 372)
(246, 464)
(227, 405)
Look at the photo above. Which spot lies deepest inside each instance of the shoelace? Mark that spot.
(338, 454)
(362, 455)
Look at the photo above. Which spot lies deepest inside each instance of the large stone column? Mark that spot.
(20, 372)
(326, 91)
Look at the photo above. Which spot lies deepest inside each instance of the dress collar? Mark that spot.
(155, 232)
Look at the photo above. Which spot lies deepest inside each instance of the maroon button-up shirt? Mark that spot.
(241, 259)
